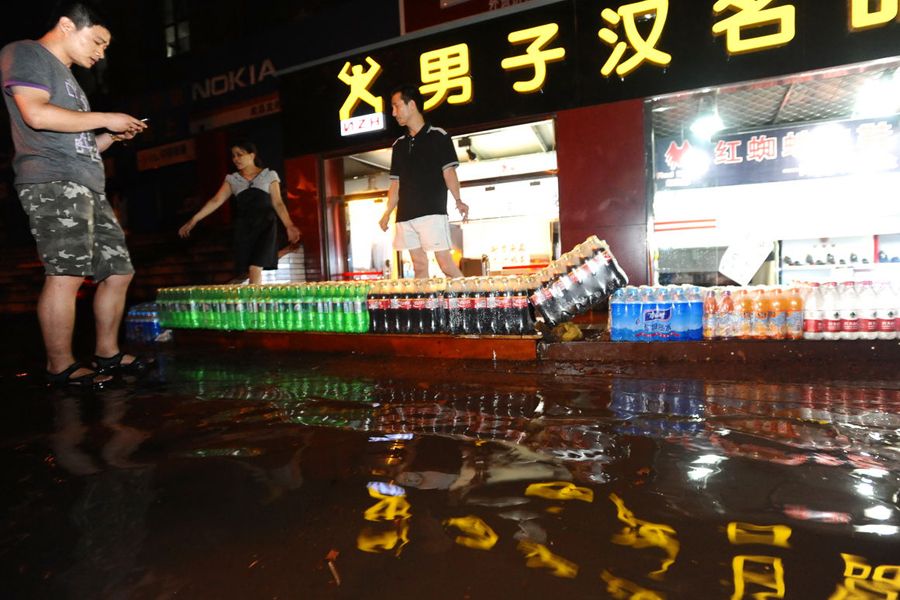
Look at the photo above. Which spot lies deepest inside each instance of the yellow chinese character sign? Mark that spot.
(750, 16)
(862, 15)
(645, 49)
(359, 79)
(444, 70)
(536, 55)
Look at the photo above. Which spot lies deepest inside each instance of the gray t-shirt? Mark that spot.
(44, 156)
(262, 181)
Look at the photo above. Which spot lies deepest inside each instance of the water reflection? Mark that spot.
(492, 485)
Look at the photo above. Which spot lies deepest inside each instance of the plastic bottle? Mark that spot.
(886, 306)
(632, 320)
(451, 306)
(467, 295)
(813, 313)
(794, 314)
(523, 318)
(617, 315)
(868, 311)
(776, 325)
(643, 331)
(831, 309)
(725, 316)
(849, 311)
(759, 320)
(404, 306)
(710, 315)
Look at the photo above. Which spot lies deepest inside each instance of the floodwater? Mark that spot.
(253, 475)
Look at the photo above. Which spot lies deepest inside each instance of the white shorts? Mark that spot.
(431, 233)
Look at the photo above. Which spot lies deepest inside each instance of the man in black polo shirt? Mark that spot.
(423, 168)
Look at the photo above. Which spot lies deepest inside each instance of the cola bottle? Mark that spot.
(467, 298)
(487, 320)
(451, 305)
(373, 305)
(404, 307)
(505, 315)
(417, 311)
(435, 304)
(586, 273)
(392, 312)
(545, 303)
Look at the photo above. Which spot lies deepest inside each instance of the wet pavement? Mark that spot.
(227, 474)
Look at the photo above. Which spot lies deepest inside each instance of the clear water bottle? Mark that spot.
(617, 315)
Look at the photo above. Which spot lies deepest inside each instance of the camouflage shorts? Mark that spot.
(75, 230)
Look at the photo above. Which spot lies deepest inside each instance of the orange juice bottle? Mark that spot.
(795, 315)
(777, 325)
(743, 308)
(759, 321)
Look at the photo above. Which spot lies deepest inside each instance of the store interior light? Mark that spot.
(708, 121)
(879, 96)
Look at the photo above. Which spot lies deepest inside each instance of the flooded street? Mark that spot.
(254, 475)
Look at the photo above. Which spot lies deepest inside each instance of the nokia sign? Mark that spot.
(225, 83)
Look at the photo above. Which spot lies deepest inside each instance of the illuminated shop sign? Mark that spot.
(567, 54)
(841, 148)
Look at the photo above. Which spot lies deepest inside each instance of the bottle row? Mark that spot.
(325, 306)
(656, 314)
(577, 281)
(502, 305)
(812, 311)
(830, 311)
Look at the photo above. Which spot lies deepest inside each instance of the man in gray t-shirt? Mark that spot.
(60, 182)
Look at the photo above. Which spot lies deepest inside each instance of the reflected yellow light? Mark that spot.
(389, 508)
(370, 540)
(768, 535)
(560, 490)
(479, 534)
(539, 556)
(622, 588)
(764, 571)
(643, 534)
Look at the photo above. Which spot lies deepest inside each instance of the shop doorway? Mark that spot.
(508, 177)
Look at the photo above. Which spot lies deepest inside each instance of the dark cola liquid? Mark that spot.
(505, 316)
(453, 312)
(482, 313)
(417, 316)
(431, 322)
(404, 312)
(392, 312)
(376, 318)
(468, 317)
(523, 318)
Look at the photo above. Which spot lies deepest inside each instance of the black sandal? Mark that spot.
(113, 364)
(64, 377)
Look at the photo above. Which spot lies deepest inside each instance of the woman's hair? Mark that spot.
(250, 148)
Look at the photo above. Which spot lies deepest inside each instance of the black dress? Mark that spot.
(255, 230)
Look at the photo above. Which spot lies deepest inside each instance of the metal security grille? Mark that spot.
(825, 95)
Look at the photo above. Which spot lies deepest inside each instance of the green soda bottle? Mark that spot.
(305, 323)
(338, 309)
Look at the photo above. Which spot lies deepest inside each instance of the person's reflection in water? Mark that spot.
(110, 512)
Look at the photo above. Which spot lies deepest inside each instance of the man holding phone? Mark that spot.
(61, 182)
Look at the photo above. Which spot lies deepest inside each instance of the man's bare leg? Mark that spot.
(445, 262)
(255, 275)
(56, 313)
(109, 305)
(420, 262)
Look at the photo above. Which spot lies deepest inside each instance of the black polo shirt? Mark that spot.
(419, 162)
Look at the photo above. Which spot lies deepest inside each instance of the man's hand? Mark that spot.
(293, 234)
(463, 209)
(124, 125)
(383, 223)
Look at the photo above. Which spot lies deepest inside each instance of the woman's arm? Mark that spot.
(211, 205)
(281, 210)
